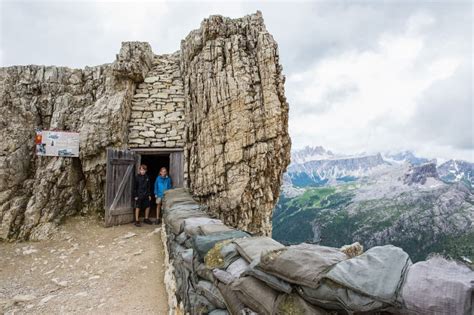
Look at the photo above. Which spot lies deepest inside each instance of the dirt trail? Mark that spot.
(86, 269)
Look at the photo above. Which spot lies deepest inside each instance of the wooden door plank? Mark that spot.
(176, 169)
(119, 184)
(121, 187)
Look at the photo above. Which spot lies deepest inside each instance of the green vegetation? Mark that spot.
(292, 220)
(332, 214)
(456, 247)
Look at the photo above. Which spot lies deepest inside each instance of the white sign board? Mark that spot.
(57, 143)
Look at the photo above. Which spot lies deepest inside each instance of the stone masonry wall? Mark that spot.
(157, 118)
(237, 142)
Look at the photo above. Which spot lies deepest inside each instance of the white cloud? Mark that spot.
(387, 83)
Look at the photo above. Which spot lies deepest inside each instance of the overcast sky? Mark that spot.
(363, 76)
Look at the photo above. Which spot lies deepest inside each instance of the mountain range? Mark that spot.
(385, 198)
(315, 167)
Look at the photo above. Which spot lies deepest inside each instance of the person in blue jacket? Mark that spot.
(162, 183)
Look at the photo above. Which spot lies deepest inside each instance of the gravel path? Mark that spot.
(86, 269)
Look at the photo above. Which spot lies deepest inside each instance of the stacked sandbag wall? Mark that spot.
(216, 269)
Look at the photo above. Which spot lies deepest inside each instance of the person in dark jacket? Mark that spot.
(162, 183)
(142, 194)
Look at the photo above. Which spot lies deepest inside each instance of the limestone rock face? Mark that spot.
(237, 142)
(37, 192)
(221, 98)
(418, 174)
(134, 61)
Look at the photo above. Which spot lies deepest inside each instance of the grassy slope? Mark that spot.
(327, 208)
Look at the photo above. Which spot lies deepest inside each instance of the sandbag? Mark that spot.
(232, 302)
(176, 192)
(203, 272)
(182, 208)
(198, 303)
(191, 206)
(207, 229)
(167, 215)
(221, 255)
(177, 195)
(252, 247)
(170, 205)
(203, 243)
(181, 238)
(270, 280)
(188, 243)
(191, 225)
(332, 296)
(255, 294)
(377, 273)
(223, 276)
(180, 204)
(229, 254)
(176, 250)
(211, 293)
(175, 220)
(303, 264)
(187, 205)
(439, 286)
(292, 304)
(237, 267)
(187, 256)
(182, 276)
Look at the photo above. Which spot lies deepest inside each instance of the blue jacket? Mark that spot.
(162, 184)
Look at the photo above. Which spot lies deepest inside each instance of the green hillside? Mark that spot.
(331, 216)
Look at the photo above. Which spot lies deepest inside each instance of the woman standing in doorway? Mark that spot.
(162, 183)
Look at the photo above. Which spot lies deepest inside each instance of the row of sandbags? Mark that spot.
(220, 270)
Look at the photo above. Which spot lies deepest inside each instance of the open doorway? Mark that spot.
(122, 165)
(154, 163)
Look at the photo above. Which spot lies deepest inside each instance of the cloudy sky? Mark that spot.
(362, 76)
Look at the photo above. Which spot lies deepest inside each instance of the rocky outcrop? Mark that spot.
(221, 98)
(453, 171)
(418, 174)
(38, 192)
(237, 142)
(431, 220)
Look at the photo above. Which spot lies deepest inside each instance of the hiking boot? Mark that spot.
(158, 221)
(147, 221)
(137, 223)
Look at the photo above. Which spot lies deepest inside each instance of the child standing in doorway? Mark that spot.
(162, 183)
(142, 194)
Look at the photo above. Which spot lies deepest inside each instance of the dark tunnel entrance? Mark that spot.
(154, 163)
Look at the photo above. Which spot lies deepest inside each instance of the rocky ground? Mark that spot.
(85, 269)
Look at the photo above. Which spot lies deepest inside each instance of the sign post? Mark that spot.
(57, 143)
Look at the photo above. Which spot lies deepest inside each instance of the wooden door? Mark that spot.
(119, 186)
(177, 169)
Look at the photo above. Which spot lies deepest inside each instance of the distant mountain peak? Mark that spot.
(309, 153)
(405, 156)
(453, 171)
